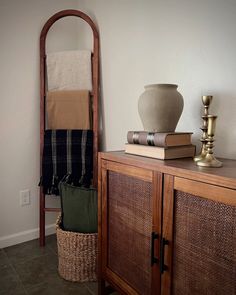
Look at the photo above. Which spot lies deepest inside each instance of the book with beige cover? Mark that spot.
(162, 139)
(161, 152)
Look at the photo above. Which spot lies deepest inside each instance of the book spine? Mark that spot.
(146, 138)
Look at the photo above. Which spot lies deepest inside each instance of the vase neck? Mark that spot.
(173, 86)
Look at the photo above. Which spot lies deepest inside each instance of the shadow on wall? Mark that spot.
(102, 125)
(222, 106)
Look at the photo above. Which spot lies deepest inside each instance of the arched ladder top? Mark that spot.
(64, 13)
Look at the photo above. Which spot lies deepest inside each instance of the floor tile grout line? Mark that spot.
(15, 271)
(28, 259)
(51, 251)
(17, 274)
(90, 291)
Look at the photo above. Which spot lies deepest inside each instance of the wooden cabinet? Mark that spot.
(166, 227)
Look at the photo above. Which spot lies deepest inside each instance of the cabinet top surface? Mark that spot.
(186, 167)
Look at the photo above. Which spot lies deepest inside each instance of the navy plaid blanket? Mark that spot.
(66, 153)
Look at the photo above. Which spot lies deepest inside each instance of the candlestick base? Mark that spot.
(209, 161)
(203, 152)
(199, 157)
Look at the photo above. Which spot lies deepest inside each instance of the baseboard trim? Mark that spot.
(25, 236)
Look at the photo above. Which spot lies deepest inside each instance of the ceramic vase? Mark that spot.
(160, 107)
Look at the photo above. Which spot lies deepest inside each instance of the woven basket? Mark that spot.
(77, 255)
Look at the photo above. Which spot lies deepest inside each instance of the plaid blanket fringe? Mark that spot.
(66, 154)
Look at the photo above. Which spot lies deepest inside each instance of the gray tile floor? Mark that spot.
(27, 269)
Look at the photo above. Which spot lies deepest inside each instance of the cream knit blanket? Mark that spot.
(69, 70)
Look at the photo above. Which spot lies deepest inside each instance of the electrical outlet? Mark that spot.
(25, 197)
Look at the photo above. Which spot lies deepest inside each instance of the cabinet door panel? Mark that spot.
(202, 238)
(129, 230)
(129, 213)
(204, 258)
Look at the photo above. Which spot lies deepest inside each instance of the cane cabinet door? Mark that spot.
(199, 238)
(130, 228)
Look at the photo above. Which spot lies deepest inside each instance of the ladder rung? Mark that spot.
(52, 209)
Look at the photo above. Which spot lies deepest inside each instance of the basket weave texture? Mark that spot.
(77, 255)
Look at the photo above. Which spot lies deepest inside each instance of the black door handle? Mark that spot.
(163, 267)
(154, 259)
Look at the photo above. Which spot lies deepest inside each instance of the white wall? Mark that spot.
(20, 25)
(190, 43)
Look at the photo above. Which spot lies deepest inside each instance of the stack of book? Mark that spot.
(169, 145)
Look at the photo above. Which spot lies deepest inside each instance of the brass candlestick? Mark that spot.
(209, 160)
(206, 100)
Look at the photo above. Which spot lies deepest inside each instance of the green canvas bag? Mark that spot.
(79, 208)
